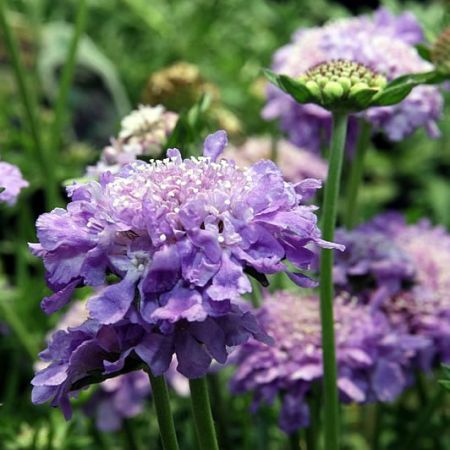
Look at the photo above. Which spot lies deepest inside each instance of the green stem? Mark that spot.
(68, 70)
(163, 412)
(131, 441)
(201, 409)
(312, 432)
(219, 410)
(329, 211)
(22, 333)
(424, 420)
(294, 441)
(30, 107)
(356, 175)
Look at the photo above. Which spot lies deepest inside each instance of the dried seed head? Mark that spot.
(440, 52)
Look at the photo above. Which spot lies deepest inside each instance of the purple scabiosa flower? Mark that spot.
(373, 266)
(116, 398)
(385, 44)
(425, 309)
(77, 353)
(143, 132)
(181, 237)
(11, 183)
(371, 356)
(295, 163)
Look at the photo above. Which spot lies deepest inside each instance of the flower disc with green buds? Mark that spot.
(440, 52)
(342, 85)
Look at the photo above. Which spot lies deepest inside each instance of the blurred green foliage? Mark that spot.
(126, 41)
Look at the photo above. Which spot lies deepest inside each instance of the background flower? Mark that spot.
(12, 182)
(373, 358)
(385, 44)
(295, 163)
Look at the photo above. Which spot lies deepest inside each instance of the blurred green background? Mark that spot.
(185, 48)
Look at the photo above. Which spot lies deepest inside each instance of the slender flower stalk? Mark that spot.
(29, 104)
(356, 175)
(329, 212)
(203, 419)
(67, 77)
(163, 412)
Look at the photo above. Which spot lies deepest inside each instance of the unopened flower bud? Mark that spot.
(335, 85)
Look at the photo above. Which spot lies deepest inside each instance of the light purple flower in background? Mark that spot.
(11, 183)
(124, 397)
(373, 266)
(143, 132)
(372, 357)
(385, 44)
(425, 308)
(181, 237)
(295, 163)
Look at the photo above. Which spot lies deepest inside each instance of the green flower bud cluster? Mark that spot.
(342, 85)
(440, 52)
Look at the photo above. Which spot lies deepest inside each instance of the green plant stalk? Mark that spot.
(356, 175)
(424, 420)
(30, 108)
(163, 412)
(312, 432)
(19, 329)
(294, 441)
(220, 409)
(329, 212)
(60, 113)
(201, 408)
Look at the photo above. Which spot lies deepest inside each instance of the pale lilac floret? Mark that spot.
(144, 132)
(295, 163)
(181, 237)
(11, 183)
(384, 43)
(372, 357)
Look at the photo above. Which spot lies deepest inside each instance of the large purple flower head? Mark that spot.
(179, 237)
(373, 266)
(295, 163)
(11, 183)
(371, 357)
(143, 132)
(385, 44)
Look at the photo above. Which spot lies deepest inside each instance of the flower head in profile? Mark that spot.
(372, 357)
(143, 132)
(11, 183)
(180, 238)
(384, 44)
(295, 163)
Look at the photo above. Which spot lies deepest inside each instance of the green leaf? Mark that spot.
(2, 189)
(292, 87)
(398, 89)
(56, 38)
(364, 97)
(424, 52)
(296, 89)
